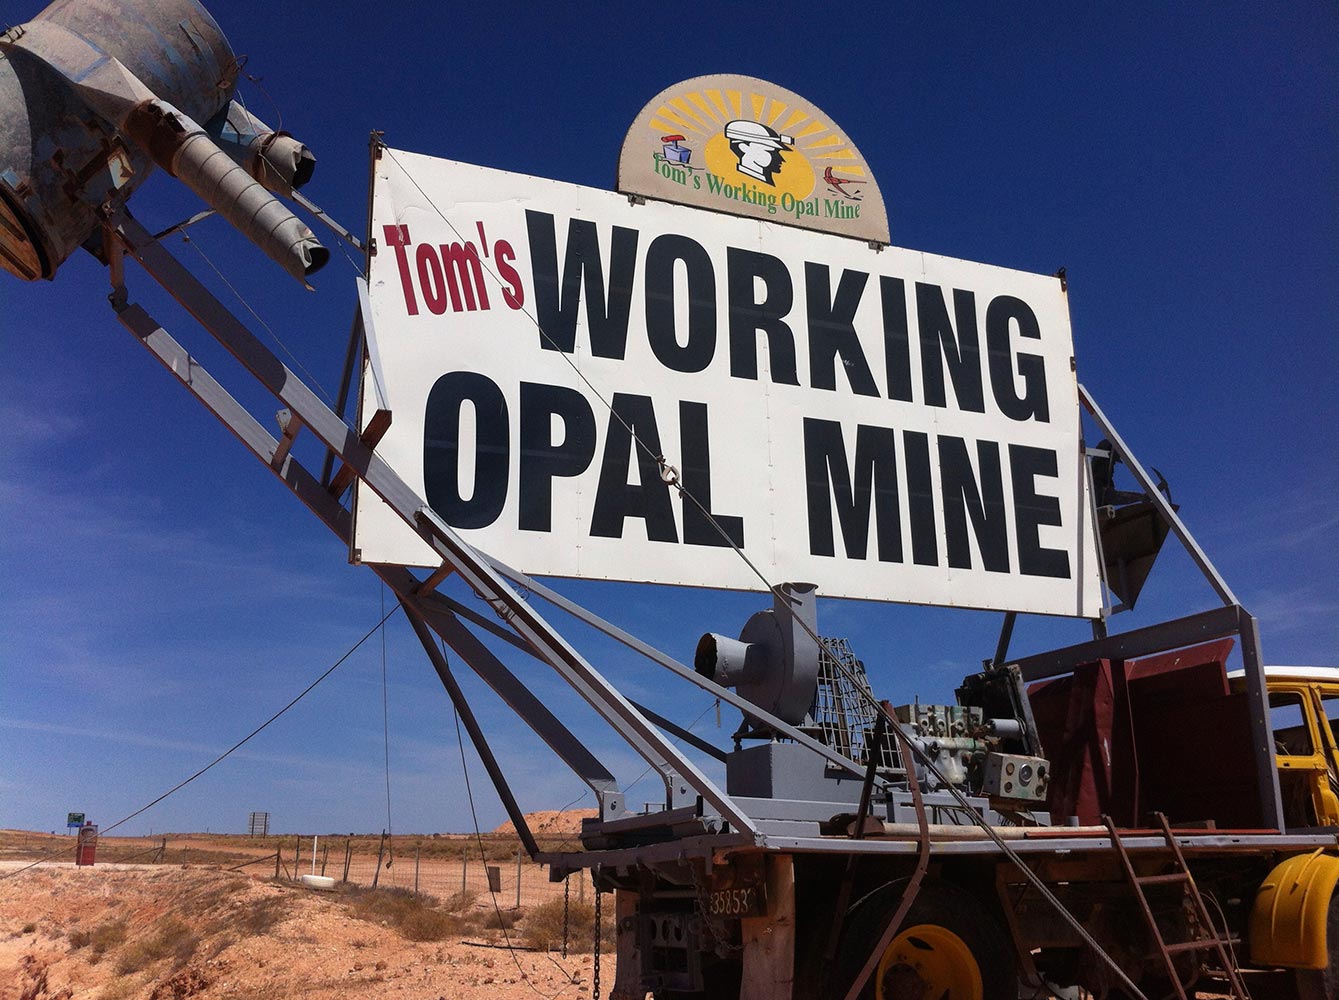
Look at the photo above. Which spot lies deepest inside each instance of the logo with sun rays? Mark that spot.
(745, 146)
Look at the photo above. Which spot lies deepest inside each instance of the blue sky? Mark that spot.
(162, 594)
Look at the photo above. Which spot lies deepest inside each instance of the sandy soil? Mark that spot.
(239, 937)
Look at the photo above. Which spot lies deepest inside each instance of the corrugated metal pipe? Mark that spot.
(273, 157)
(182, 147)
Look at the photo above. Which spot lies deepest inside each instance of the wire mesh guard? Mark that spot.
(845, 709)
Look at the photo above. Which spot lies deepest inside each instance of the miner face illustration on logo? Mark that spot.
(758, 147)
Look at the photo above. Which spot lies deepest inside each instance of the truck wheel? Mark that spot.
(949, 948)
(1323, 984)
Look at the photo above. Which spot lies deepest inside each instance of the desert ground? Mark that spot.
(178, 928)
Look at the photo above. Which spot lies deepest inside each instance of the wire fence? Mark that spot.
(504, 874)
(512, 878)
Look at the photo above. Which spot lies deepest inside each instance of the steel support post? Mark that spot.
(1006, 633)
(1262, 732)
(466, 715)
(518, 697)
(1150, 488)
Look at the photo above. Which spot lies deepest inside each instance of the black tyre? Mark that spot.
(949, 947)
(1323, 984)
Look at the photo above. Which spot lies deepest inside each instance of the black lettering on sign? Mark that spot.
(896, 342)
(648, 498)
(1032, 509)
(982, 501)
(832, 333)
(942, 348)
(1003, 311)
(698, 528)
(828, 481)
(555, 311)
(920, 499)
(543, 458)
(441, 450)
(662, 259)
(749, 317)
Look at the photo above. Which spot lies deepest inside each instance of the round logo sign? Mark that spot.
(745, 146)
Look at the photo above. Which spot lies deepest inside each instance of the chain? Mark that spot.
(567, 896)
(595, 974)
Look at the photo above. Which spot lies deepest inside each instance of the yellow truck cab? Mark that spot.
(1304, 714)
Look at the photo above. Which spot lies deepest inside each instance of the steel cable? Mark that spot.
(240, 743)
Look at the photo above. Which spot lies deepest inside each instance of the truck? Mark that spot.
(1131, 815)
(1136, 879)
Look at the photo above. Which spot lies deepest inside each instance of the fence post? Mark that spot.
(297, 856)
(416, 850)
(381, 849)
(518, 878)
(325, 856)
(276, 860)
(348, 856)
(464, 868)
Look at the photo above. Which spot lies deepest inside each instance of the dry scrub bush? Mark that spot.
(498, 919)
(171, 938)
(255, 918)
(119, 988)
(417, 918)
(100, 940)
(460, 902)
(426, 924)
(542, 927)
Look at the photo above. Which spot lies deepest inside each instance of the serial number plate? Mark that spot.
(742, 902)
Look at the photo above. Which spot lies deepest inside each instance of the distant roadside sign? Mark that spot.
(74, 820)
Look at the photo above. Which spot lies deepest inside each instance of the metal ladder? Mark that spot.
(1209, 939)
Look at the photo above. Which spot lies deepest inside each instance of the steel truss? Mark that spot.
(436, 618)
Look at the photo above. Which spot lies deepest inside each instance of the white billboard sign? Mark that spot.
(889, 425)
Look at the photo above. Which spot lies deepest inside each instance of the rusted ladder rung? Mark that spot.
(1199, 944)
(1163, 879)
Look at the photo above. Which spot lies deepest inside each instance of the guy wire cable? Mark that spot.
(240, 743)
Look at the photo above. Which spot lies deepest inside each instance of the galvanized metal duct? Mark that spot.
(278, 161)
(69, 81)
(180, 146)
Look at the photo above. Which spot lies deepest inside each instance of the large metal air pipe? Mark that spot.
(95, 93)
(182, 148)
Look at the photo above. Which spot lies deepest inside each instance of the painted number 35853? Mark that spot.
(733, 902)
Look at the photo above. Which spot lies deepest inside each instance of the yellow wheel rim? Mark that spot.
(928, 962)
